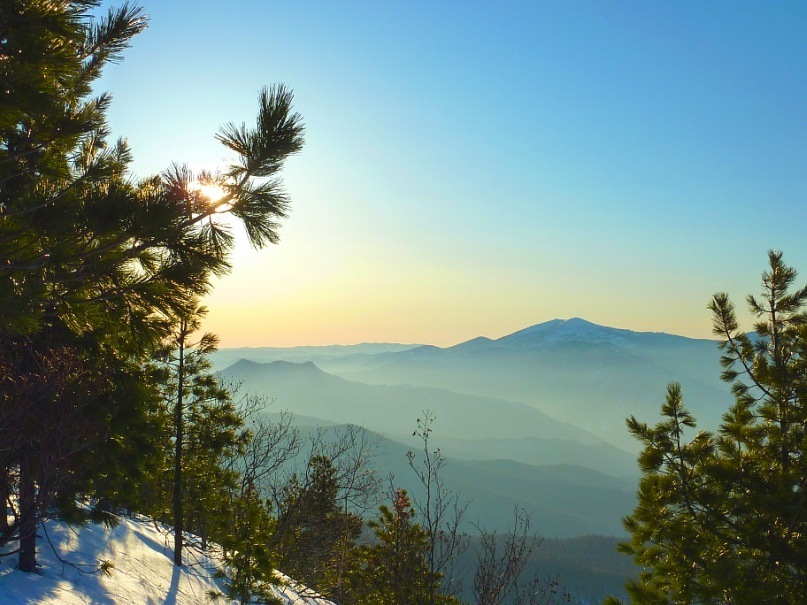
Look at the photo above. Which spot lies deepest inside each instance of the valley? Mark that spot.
(535, 419)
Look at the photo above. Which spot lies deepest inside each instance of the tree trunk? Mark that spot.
(4, 494)
(28, 519)
(179, 427)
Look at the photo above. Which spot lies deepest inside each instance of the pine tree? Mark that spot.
(215, 436)
(246, 549)
(205, 422)
(313, 532)
(91, 261)
(64, 392)
(395, 569)
(722, 518)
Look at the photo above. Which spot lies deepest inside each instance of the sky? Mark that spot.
(474, 168)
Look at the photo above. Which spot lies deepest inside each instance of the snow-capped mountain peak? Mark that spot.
(558, 331)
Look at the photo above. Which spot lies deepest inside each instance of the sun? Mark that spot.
(212, 193)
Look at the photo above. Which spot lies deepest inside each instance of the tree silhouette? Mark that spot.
(91, 260)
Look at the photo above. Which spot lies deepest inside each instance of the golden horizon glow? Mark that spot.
(339, 299)
(625, 181)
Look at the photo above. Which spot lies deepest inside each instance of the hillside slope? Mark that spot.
(564, 500)
(143, 572)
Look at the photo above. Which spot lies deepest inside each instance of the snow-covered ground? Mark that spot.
(143, 570)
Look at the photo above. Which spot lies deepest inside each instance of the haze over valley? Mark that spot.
(562, 379)
(535, 418)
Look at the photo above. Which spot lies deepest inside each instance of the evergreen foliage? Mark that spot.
(315, 538)
(395, 569)
(247, 552)
(722, 518)
(204, 428)
(94, 266)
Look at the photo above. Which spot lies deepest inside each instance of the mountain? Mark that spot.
(565, 331)
(602, 457)
(225, 357)
(303, 388)
(565, 500)
(578, 372)
(575, 371)
(536, 417)
(468, 425)
(588, 567)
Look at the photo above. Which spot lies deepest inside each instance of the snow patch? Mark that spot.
(559, 331)
(143, 570)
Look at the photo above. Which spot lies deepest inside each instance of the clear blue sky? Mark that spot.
(473, 168)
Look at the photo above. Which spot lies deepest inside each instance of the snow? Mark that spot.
(558, 331)
(143, 570)
(576, 330)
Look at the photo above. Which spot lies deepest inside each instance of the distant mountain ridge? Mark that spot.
(227, 356)
(546, 333)
(576, 371)
(589, 375)
(536, 416)
(306, 389)
(561, 331)
(577, 330)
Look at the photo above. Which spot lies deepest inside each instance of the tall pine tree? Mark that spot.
(722, 518)
(91, 261)
(395, 569)
(205, 421)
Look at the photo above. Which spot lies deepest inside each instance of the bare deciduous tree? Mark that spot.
(440, 509)
(501, 562)
(269, 445)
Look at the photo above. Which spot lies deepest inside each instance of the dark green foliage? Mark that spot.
(315, 538)
(48, 396)
(395, 569)
(202, 488)
(96, 267)
(204, 426)
(64, 396)
(213, 437)
(246, 549)
(722, 518)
